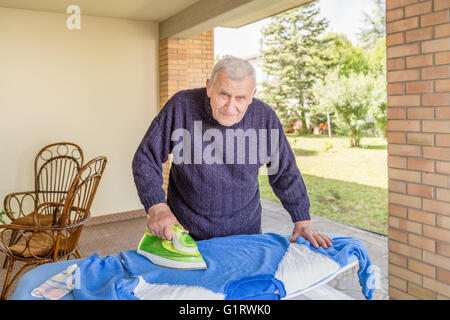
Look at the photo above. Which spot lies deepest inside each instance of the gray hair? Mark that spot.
(235, 68)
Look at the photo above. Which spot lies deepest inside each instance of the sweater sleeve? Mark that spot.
(286, 180)
(147, 162)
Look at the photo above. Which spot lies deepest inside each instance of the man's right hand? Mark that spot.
(160, 221)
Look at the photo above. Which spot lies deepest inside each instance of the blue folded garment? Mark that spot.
(97, 278)
(342, 250)
(261, 266)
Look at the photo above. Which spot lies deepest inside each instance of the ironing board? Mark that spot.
(33, 278)
(348, 253)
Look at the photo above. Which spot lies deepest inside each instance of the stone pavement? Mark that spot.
(276, 219)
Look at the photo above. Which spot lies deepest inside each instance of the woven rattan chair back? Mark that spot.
(55, 167)
(77, 209)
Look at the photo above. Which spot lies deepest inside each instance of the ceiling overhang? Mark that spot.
(176, 18)
(205, 15)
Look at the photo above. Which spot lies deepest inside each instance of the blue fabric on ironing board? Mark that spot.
(98, 277)
(220, 255)
(343, 248)
(112, 280)
(228, 258)
(257, 287)
(251, 255)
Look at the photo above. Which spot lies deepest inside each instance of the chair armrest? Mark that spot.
(54, 207)
(25, 228)
(14, 203)
(57, 209)
(74, 225)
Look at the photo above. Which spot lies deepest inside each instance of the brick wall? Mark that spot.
(418, 63)
(183, 64)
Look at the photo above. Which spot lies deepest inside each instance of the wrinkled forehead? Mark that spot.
(241, 87)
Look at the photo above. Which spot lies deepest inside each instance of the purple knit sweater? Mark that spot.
(221, 197)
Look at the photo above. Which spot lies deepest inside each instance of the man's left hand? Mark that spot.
(317, 238)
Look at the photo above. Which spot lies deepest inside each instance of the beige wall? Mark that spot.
(96, 87)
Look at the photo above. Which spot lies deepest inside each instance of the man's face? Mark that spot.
(229, 98)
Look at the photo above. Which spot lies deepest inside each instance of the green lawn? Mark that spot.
(344, 184)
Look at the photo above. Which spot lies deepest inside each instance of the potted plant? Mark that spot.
(2, 214)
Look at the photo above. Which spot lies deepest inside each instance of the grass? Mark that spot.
(344, 184)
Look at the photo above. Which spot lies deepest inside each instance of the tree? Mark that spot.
(294, 57)
(350, 98)
(375, 28)
(377, 108)
(274, 94)
(377, 66)
(349, 59)
(376, 57)
(346, 57)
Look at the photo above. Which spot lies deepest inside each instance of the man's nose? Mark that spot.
(229, 104)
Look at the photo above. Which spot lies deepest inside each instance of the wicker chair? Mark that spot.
(55, 167)
(42, 243)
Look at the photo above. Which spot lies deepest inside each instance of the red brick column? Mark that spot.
(183, 64)
(418, 64)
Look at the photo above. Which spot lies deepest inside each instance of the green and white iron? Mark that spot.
(180, 253)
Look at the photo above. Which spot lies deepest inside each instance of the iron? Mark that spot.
(180, 253)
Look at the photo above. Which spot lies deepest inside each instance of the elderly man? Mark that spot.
(213, 191)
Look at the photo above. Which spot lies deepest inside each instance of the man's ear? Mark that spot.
(254, 92)
(207, 88)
